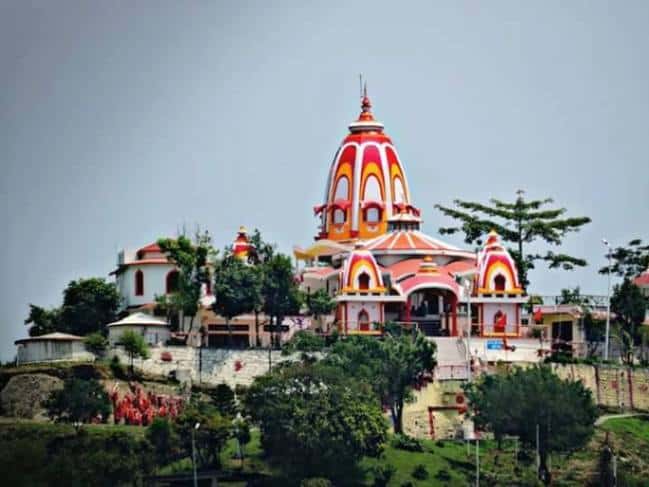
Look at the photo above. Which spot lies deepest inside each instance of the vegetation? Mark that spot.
(320, 304)
(96, 343)
(304, 341)
(223, 399)
(134, 345)
(210, 437)
(163, 438)
(520, 223)
(561, 414)
(392, 367)
(88, 305)
(628, 261)
(79, 401)
(193, 260)
(280, 291)
(312, 417)
(237, 289)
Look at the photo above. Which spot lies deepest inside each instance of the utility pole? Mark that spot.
(608, 300)
(477, 461)
(538, 454)
(196, 426)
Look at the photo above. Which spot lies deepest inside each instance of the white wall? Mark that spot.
(152, 334)
(490, 309)
(155, 283)
(52, 350)
(353, 308)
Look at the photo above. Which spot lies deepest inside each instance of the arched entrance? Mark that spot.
(433, 310)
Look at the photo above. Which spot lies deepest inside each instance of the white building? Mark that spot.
(154, 330)
(51, 348)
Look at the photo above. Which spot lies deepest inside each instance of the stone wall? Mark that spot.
(232, 367)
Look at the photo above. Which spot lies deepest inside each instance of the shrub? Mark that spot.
(443, 475)
(79, 400)
(403, 442)
(407, 483)
(96, 343)
(304, 341)
(382, 474)
(116, 367)
(420, 472)
(316, 482)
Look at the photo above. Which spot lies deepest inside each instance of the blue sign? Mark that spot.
(494, 345)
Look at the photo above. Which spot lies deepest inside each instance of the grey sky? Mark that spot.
(119, 121)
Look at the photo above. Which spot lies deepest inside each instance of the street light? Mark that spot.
(468, 286)
(196, 426)
(608, 300)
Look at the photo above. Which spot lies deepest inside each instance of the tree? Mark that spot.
(304, 341)
(392, 366)
(79, 401)
(531, 401)
(96, 343)
(223, 399)
(521, 222)
(162, 436)
(260, 253)
(313, 417)
(43, 320)
(237, 289)
(629, 261)
(629, 305)
(211, 436)
(134, 345)
(193, 260)
(88, 305)
(320, 303)
(279, 290)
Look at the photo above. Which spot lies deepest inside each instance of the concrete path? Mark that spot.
(606, 417)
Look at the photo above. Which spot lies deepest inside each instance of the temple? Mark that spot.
(370, 255)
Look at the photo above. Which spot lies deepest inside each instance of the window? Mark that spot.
(372, 189)
(363, 321)
(499, 282)
(372, 215)
(342, 189)
(339, 216)
(399, 193)
(363, 281)
(139, 283)
(172, 282)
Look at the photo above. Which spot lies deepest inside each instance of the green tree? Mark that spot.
(237, 289)
(134, 345)
(210, 437)
(526, 401)
(193, 260)
(260, 253)
(312, 417)
(223, 399)
(392, 367)
(88, 305)
(78, 401)
(320, 304)
(521, 222)
(43, 321)
(96, 343)
(628, 261)
(279, 290)
(629, 305)
(164, 440)
(304, 341)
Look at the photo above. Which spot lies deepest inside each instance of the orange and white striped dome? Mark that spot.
(497, 272)
(367, 184)
(361, 273)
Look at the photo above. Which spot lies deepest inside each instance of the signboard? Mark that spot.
(494, 345)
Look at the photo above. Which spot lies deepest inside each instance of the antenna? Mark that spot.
(360, 76)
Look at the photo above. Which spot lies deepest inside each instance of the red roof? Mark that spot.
(642, 280)
(153, 247)
(407, 240)
(440, 280)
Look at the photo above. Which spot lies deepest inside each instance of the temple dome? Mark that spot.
(367, 185)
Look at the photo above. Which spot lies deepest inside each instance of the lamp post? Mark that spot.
(608, 300)
(196, 426)
(468, 286)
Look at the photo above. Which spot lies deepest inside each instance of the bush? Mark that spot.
(382, 474)
(96, 343)
(420, 472)
(79, 400)
(316, 482)
(407, 483)
(403, 442)
(116, 367)
(443, 475)
(304, 341)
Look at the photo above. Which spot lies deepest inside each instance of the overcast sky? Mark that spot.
(122, 121)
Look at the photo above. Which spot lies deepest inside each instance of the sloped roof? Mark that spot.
(56, 336)
(642, 280)
(139, 319)
(410, 241)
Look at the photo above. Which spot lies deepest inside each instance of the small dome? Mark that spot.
(361, 273)
(497, 272)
